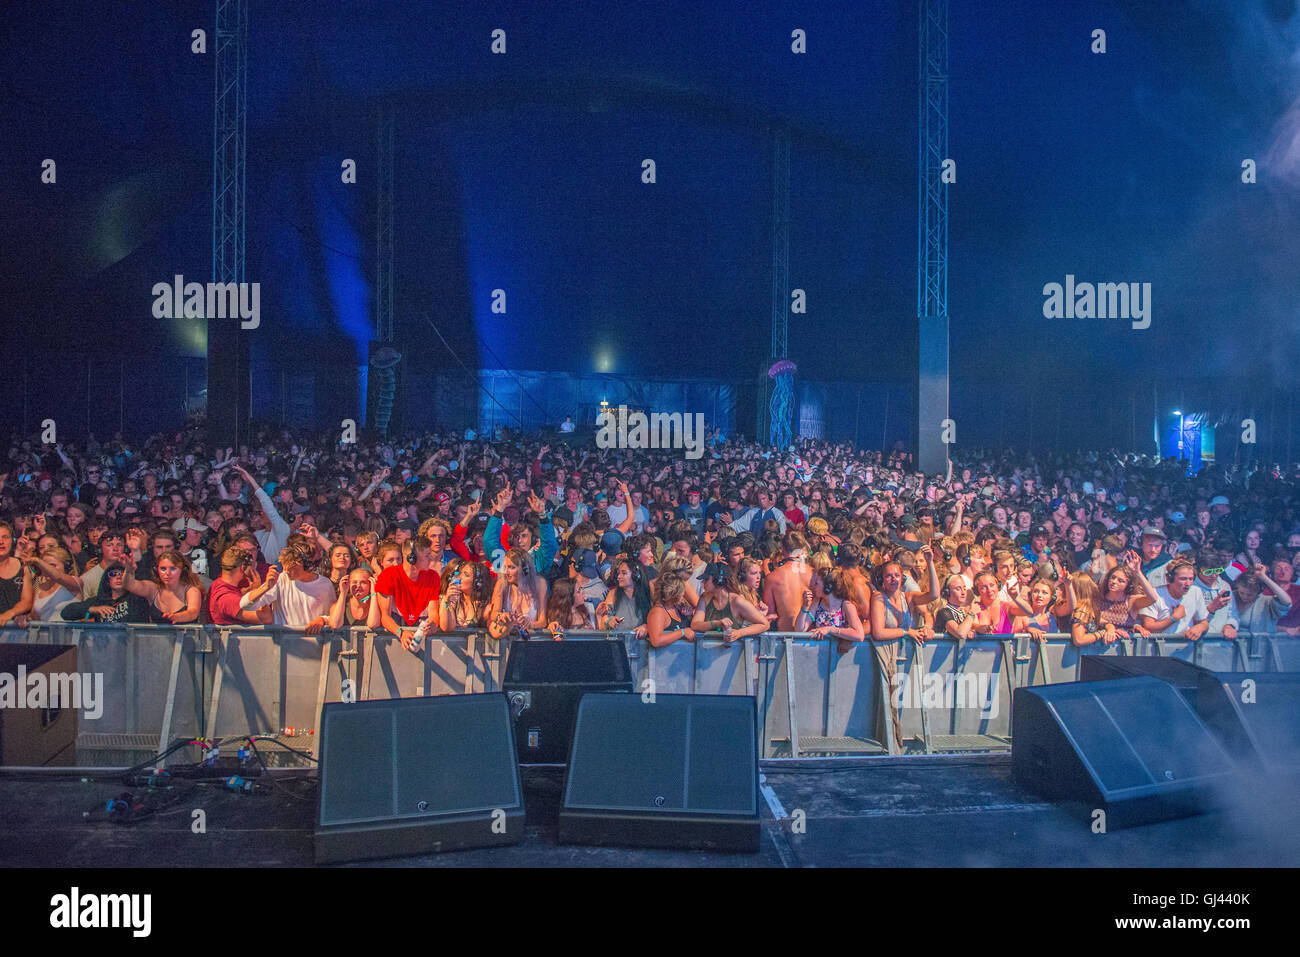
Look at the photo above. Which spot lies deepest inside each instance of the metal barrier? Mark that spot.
(167, 682)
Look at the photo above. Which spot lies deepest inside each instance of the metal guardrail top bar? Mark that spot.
(541, 635)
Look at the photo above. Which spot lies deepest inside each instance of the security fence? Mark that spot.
(163, 683)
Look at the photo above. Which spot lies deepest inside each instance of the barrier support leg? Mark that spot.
(919, 668)
(957, 647)
(766, 655)
(222, 641)
(132, 691)
(1010, 664)
(790, 697)
(322, 681)
(178, 640)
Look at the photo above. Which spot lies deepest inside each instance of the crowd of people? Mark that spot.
(525, 536)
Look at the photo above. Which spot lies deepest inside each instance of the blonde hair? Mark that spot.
(820, 562)
(1087, 597)
(670, 591)
(673, 564)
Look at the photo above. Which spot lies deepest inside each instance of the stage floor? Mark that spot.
(938, 811)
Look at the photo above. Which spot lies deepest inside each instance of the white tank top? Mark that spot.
(48, 608)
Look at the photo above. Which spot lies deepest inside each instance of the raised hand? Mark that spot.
(536, 504)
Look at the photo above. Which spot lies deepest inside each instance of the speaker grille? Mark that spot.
(681, 753)
(411, 759)
(1136, 732)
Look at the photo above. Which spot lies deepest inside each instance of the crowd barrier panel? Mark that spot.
(165, 682)
(1284, 653)
(156, 681)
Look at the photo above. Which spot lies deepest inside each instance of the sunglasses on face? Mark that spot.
(1211, 572)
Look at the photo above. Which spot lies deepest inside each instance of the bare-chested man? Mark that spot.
(783, 593)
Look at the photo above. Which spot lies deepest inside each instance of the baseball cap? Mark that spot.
(442, 497)
(586, 564)
(1219, 500)
(1153, 532)
(182, 524)
(611, 541)
(1177, 517)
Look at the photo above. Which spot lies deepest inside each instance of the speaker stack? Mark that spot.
(422, 775)
(544, 681)
(1150, 738)
(1133, 747)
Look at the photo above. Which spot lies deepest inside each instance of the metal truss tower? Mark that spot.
(385, 377)
(228, 375)
(782, 399)
(932, 240)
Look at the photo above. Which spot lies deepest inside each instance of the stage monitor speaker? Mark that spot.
(679, 771)
(1256, 716)
(1183, 675)
(544, 680)
(1132, 747)
(33, 733)
(417, 775)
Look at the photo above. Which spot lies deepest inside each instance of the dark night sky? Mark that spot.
(522, 172)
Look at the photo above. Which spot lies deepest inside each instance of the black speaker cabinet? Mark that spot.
(40, 735)
(1131, 746)
(415, 776)
(544, 680)
(678, 772)
(1256, 716)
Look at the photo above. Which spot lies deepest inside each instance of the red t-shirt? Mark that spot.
(223, 603)
(410, 598)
